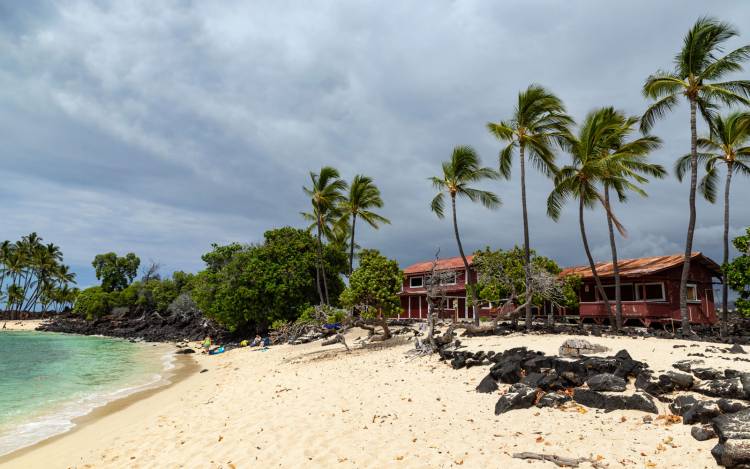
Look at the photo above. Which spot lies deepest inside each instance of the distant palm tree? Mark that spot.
(728, 146)
(697, 69)
(325, 196)
(363, 196)
(463, 169)
(591, 165)
(539, 122)
(627, 168)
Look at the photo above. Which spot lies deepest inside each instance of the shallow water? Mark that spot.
(48, 379)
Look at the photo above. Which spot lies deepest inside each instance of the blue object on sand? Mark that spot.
(217, 351)
(335, 325)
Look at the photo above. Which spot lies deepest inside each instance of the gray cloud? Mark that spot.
(162, 127)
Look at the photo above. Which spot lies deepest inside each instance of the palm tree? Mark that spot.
(539, 123)
(363, 196)
(592, 165)
(463, 169)
(698, 68)
(325, 196)
(628, 167)
(728, 146)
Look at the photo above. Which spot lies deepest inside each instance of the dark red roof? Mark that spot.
(641, 266)
(442, 264)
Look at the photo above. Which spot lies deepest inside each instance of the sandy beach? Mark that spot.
(18, 325)
(307, 405)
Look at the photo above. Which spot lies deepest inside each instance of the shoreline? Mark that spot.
(179, 368)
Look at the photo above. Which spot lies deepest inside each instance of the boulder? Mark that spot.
(736, 348)
(185, 351)
(729, 406)
(680, 380)
(578, 347)
(623, 355)
(553, 399)
(606, 382)
(703, 432)
(609, 402)
(733, 426)
(730, 388)
(646, 382)
(519, 396)
(686, 365)
(730, 373)
(701, 412)
(682, 404)
(508, 372)
(732, 453)
(745, 380)
(707, 373)
(458, 362)
(629, 367)
(487, 385)
(533, 379)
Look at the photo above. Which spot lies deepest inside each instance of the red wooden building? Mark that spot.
(414, 296)
(650, 289)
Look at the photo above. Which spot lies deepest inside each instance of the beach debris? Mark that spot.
(578, 347)
(560, 461)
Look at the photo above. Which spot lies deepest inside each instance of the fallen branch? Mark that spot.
(560, 461)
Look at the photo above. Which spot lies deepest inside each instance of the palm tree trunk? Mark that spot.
(616, 268)
(469, 279)
(724, 288)
(317, 270)
(351, 247)
(320, 259)
(591, 260)
(686, 330)
(526, 250)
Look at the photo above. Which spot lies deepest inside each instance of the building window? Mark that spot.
(692, 292)
(627, 292)
(651, 292)
(448, 278)
(416, 282)
(587, 293)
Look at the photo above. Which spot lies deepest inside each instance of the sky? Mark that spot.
(162, 127)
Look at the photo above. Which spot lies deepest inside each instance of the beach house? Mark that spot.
(650, 289)
(414, 294)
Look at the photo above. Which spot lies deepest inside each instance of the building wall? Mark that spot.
(701, 312)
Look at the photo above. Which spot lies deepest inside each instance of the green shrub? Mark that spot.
(92, 303)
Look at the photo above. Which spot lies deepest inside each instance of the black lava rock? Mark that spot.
(682, 404)
(487, 385)
(606, 382)
(730, 388)
(702, 411)
(519, 396)
(703, 432)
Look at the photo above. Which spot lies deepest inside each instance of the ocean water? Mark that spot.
(47, 380)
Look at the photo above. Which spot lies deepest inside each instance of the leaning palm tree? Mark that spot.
(539, 122)
(698, 69)
(628, 167)
(464, 168)
(728, 146)
(363, 196)
(325, 196)
(591, 165)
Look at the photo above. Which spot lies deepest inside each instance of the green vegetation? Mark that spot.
(115, 273)
(727, 146)
(539, 122)
(32, 275)
(363, 196)
(501, 277)
(373, 288)
(256, 285)
(699, 67)
(463, 169)
(737, 273)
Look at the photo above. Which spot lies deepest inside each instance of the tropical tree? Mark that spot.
(728, 146)
(591, 166)
(697, 76)
(737, 273)
(628, 166)
(463, 169)
(539, 123)
(116, 272)
(325, 194)
(363, 196)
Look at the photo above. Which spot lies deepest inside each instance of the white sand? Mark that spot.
(309, 406)
(25, 325)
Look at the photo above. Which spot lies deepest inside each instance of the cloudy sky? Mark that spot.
(161, 127)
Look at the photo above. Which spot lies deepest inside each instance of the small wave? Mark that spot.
(61, 419)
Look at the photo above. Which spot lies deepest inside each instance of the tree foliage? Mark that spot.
(374, 285)
(259, 284)
(115, 273)
(738, 273)
(32, 274)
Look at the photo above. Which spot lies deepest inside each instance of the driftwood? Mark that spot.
(560, 461)
(337, 339)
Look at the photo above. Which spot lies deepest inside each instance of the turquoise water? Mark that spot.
(47, 379)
